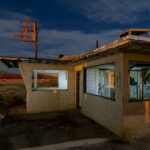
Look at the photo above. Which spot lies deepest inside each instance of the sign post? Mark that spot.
(30, 35)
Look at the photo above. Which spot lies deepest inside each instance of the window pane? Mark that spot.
(133, 84)
(146, 85)
(106, 83)
(91, 82)
(47, 80)
(139, 80)
(100, 80)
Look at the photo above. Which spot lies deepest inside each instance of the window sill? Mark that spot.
(138, 101)
(101, 96)
(38, 89)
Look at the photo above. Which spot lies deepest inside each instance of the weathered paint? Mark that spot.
(85, 96)
(147, 115)
(107, 112)
(77, 69)
(50, 100)
(136, 114)
(75, 88)
(114, 115)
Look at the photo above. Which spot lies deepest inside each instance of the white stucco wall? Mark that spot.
(47, 100)
(107, 112)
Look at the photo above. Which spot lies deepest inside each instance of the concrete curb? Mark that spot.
(71, 144)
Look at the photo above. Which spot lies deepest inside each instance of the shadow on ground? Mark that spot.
(30, 130)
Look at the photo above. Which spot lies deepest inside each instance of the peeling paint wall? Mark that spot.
(48, 100)
(115, 115)
(107, 112)
(136, 113)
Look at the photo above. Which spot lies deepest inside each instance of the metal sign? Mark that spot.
(30, 35)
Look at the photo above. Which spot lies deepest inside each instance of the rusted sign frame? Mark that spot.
(34, 34)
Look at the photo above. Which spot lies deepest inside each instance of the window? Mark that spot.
(100, 80)
(49, 79)
(139, 81)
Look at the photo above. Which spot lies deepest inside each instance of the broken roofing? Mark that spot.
(131, 41)
(106, 49)
(12, 62)
(135, 32)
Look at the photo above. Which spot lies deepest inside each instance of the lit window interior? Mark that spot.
(101, 80)
(139, 81)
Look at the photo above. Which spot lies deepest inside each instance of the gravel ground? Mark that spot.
(141, 144)
(31, 130)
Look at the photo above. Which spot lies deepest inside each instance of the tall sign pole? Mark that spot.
(30, 35)
(36, 43)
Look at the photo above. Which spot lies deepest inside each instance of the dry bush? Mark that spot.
(9, 100)
(12, 93)
(12, 99)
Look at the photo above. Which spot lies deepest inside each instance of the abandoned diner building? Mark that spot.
(110, 84)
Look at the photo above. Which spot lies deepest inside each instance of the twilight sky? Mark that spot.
(68, 26)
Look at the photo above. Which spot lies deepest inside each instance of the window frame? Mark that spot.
(136, 99)
(85, 80)
(34, 84)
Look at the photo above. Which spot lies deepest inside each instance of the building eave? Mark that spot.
(126, 43)
(12, 62)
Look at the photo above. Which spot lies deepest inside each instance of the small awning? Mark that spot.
(12, 62)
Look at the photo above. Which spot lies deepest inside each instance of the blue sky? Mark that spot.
(68, 26)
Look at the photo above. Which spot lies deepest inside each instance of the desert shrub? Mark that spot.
(1, 98)
(12, 99)
(16, 88)
(9, 100)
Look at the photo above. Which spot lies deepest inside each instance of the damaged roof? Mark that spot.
(12, 62)
(134, 32)
(125, 42)
(129, 41)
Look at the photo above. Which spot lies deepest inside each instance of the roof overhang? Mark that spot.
(128, 44)
(137, 43)
(12, 62)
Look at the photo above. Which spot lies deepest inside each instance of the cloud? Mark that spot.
(73, 42)
(9, 46)
(113, 11)
(8, 28)
(51, 42)
(12, 15)
(10, 25)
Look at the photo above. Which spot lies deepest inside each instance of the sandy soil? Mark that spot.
(47, 128)
(141, 144)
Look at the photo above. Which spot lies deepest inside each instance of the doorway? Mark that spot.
(78, 90)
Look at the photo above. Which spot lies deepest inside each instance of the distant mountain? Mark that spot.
(9, 75)
(2, 71)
